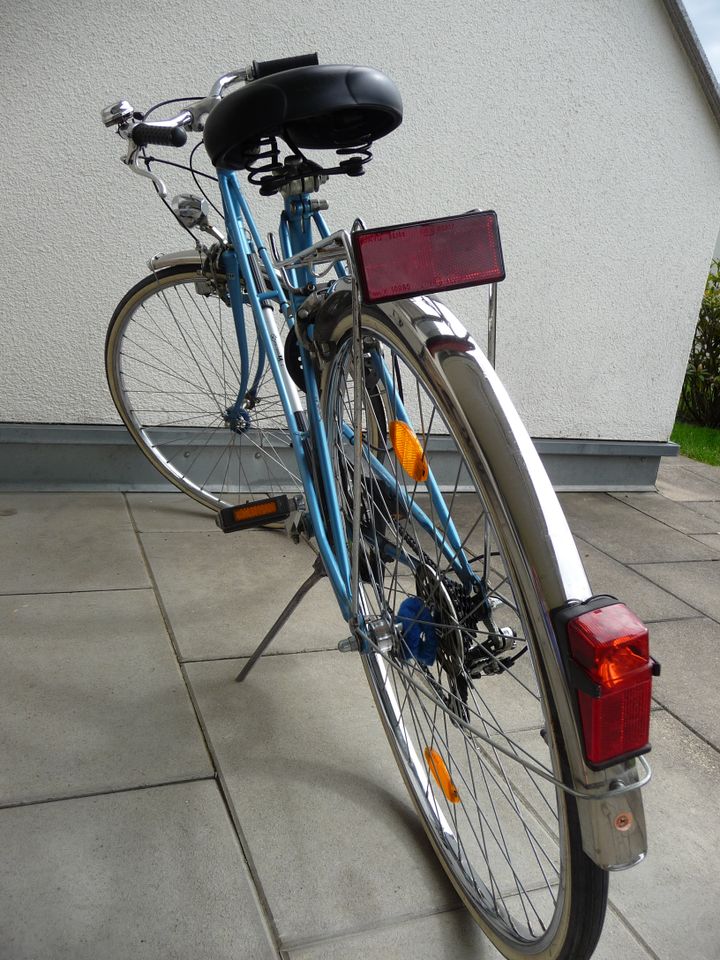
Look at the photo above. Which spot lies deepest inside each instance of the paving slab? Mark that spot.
(672, 898)
(646, 599)
(452, 935)
(169, 511)
(142, 875)
(626, 534)
(91, 697)
(709, 539)
(685, 481)
(55, 542)
(708, 508)
(697, 583)
(689, 652)
(328, 824)
(222, 592)
(675, 514)
(670, 465)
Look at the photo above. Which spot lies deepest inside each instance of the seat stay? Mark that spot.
(449, 546)
(451, 543)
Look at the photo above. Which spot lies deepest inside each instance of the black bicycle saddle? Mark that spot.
(323, 107)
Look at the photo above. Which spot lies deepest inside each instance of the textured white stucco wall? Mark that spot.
(579, 121)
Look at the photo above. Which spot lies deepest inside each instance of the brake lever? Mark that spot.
(132, 160)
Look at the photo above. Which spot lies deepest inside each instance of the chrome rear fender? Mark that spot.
(609, 801)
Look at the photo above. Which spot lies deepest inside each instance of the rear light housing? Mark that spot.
(610, 667)
(410, 259)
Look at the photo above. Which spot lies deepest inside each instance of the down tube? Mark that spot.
(286, 388)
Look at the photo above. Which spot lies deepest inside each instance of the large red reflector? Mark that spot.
(610, 645)
(413, 258)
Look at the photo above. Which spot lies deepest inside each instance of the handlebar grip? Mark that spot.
(146, 133)
(263, 68)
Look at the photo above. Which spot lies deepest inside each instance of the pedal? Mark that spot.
(254, 513)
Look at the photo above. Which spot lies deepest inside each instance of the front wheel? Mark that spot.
(174, 371)
(455, 618)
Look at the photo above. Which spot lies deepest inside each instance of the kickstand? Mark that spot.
(315, 577)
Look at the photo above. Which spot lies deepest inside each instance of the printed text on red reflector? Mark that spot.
(610, 645)
(414, 258)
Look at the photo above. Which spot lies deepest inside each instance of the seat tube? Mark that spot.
(335, 563)
(235, 221)
(230, 266)
(296, 227)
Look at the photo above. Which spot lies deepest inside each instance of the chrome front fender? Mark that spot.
(181, 258)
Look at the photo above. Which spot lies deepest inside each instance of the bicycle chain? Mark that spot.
(469, 612)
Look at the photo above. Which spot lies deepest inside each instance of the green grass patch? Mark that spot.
(698, 443)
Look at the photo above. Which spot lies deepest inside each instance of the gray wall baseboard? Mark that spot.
(57, 457)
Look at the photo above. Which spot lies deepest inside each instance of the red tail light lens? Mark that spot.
(414, 258)
(610, 646)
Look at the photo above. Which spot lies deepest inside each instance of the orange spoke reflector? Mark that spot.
(408, 450)
(440, 775)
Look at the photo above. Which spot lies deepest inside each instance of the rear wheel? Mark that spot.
(173, 367)
(455, 622)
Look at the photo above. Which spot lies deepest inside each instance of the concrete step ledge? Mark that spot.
(38, 456)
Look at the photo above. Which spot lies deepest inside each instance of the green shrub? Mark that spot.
(700, 397)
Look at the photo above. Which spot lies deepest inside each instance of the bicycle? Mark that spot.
(516, 703)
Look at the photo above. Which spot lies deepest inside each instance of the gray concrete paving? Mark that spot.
(54, 544)
(151, 807)
(91, 697)
(137, 873)
(301, 734)
(211, 617)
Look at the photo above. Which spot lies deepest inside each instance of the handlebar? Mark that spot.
(138, 132)
(264, 68)
(173, 133)
(143, 134)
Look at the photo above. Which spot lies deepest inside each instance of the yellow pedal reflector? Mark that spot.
(267, 508)
(440, 775)
(253, 514)
(408, 450)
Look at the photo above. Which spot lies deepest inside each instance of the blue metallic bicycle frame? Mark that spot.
(246, 286)
(246, 243)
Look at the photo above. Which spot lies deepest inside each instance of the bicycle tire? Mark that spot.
(173, 368)
(511, 843)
